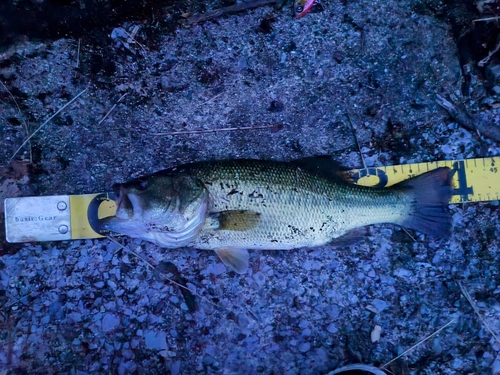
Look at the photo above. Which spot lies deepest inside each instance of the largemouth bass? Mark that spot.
(232, 206)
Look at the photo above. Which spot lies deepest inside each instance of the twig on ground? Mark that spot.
(277, 127)
(22, 118)
(153, 268)
(356, 139)
(419, 343)
(486, 60)
(6, 307)
(472, 123)
(476, 310)
(50, 118)
(211, 99)
(132, 39)
(487, 19)
(409, 235)
(238, 7)
(112, 108)
(78, 53)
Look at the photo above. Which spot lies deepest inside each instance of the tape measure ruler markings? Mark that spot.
(71, 217)
(475, 180)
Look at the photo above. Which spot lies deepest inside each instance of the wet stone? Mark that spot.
(304, 347)
(110, 322)
(156, 340)
(332, 328)
(379, 304)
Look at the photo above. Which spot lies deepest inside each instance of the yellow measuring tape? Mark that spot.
(474, 180)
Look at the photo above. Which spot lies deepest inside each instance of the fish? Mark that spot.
(231, 206)
(302, 7)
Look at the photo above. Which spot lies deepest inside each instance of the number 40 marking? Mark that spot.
(463, 190)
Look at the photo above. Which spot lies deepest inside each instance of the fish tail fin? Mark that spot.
(431, 194)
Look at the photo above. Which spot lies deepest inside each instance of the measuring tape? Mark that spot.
(72, 217)
(474, 180)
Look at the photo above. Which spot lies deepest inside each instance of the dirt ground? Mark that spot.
(355, 71)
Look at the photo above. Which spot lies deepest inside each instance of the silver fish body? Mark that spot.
(231, 206)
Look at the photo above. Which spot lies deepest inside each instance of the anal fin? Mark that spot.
(234, 258)
(352, 237)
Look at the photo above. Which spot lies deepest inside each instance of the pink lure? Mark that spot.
(302, 7)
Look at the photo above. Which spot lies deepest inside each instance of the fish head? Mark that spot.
(165, 206)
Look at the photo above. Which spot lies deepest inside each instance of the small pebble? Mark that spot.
(437, 348)
(216, 269)
(174, 299)
(112, 284)
(402, 272)
(156, 340)
(496, 366)
(259, 279)
(457, 363)
(375, 334)
(99, 284)
(242, 63)
(110, 322)
(332, 328)
(304, 347)
(379, 304)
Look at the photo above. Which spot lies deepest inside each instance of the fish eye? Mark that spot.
(299, 9)
(142, 185)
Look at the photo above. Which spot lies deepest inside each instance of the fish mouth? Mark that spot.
(117, 189)
(127, 204)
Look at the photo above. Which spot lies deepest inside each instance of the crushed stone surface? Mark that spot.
(369, 68)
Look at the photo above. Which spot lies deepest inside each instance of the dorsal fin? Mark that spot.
(324, 166)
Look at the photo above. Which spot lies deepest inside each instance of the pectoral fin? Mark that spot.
(238, 220)
(234, 258)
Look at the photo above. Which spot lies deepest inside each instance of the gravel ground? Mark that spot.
(100, 307)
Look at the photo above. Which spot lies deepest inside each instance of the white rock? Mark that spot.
(112, 284)
(304, 347)
(110, 322)
(495, 368)
(99, 284)
(156, 340)
(75, 316)
(174, 299)
(216, 269)
(375, 334)
(379, 304)
(259, 279)
(402, 272)
(332, 328)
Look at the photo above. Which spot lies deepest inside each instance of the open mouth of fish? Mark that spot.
(127, 204)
